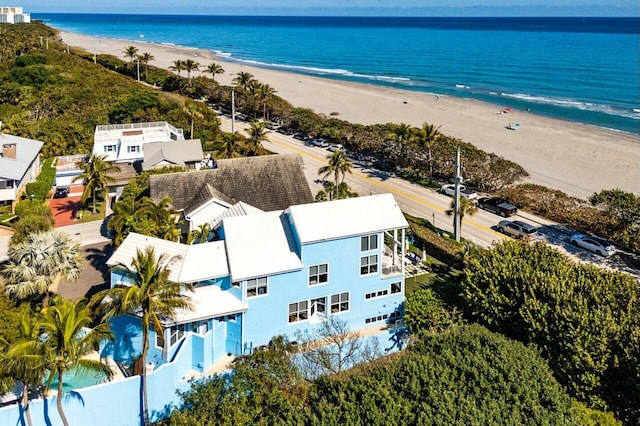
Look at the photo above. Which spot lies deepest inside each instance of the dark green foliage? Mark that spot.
(466, 375)
(585, 320)
(424, 311)
(426, 235)
(623, 208)
(133, 104)
(35, 75)
(10, 313)
(39, 220)
(26, 60)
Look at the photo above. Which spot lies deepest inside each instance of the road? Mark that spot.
(418, 201)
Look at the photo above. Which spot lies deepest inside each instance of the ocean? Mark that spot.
(578, 69)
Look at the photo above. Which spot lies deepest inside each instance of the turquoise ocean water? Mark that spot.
(577, 69)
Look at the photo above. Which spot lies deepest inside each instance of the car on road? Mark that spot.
(335, 147)
(301, 136)
(286, 131)
(61, 192)
(497, 205)
(517, 228)
(593, 244)
(450, 190)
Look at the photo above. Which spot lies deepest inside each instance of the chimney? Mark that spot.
(9, 150)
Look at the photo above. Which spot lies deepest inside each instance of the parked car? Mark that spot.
(498, 206)
(517, 228)
(384, 165)
(61, 192)
(301, 136)
(335, 147)
(450, 190)
(322, 142)
(286, 131)
(593, 244)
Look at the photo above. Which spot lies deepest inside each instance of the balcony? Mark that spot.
(393, 253)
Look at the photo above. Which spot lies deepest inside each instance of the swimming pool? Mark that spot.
(78, 379)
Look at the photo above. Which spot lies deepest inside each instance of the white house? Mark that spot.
(19, 165)
(123, 143)
(13, 15)
(187, 154)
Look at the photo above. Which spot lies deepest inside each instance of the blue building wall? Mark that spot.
(268, 314)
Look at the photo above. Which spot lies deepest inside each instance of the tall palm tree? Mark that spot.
(243, 80)
(331, 192)
(68, 338)
(257, 132)
(39, 260)
(189, 66)
(130, 52)
(229, 147)
(150, 295)
(402, 134)
(214, 69)
(96, 176)
(265, 92)
(145, 58)
(338, 166)
(428, 136)
(22, 360)
(191, 109)
(177, 66)
(466, 208)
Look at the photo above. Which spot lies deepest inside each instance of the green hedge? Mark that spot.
(443, 249)
(42, 186)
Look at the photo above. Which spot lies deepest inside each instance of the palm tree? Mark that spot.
(121, 220)
(265, 92)
(177, 66)
(214, 69)
(161, 217)
(257, 132)
(201, 234)
(130, 52)
(466, 208)
(338, 165)
(95, 175)
(193, 112)
(42, 258)
(189, 66)
(68, 337)
(402, 134)
(229, 146)
(22, 360)
(150, 295)
(145, 58)
(243, 80)
(331, 192)
(427, 136)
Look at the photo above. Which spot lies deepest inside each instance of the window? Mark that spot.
(370, 242)
(319, 305)
(298, 311)
(376, 319)
(175, 334)
(200, 327)
(134, 148)
(369, 264)
(318, 274)
(257, 287)
(159, 343)
(396, 288)
(109, 148)
(339, 303)
(375, 294)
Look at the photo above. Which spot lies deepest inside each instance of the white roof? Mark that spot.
(238, 209)
(345, 218)
(26, 151)
(210, 301)
(197, 262)
(260, 244)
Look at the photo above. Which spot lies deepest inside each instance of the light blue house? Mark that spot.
(274, 273)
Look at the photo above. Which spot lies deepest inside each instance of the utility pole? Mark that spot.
(456, 200)
(233, 112)
(138, 64)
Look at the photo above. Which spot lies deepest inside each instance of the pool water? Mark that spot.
(78, 379)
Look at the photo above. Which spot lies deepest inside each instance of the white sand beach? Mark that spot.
(577, 159)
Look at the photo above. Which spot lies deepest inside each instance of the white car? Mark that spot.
(335, 147)
(593, 244)
(450, 190)
(517, 229)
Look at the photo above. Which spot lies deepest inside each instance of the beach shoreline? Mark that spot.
(579, 159)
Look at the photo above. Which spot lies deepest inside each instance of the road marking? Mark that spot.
(388, 188)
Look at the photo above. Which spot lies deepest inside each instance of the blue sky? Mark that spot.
(345, 7)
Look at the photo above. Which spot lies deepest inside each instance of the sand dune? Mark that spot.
(577, 159)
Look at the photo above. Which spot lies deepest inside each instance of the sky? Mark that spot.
(343, 7)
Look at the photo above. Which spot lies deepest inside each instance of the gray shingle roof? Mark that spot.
(175, 152)
(26, 151)
(268, 182)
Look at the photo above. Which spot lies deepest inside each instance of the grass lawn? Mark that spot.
(444, 280)
(88, 216)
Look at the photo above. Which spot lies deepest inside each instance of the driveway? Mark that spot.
(64, 209)
(94, 275)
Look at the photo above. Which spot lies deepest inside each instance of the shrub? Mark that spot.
(423, 311)
(444, 249)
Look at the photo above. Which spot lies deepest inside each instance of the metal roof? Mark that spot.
(26, 151)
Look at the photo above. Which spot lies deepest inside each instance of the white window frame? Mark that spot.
(110, 148)
(375, 319)
(298, 311)
(156, 339)
(176, 331)
(197, 325)
(321, 305)
(365, 243)
(318, 275)
(133, 149)
(257, 284)
(399, 283)
(369, 265)
(339, 303)
(376, 294)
